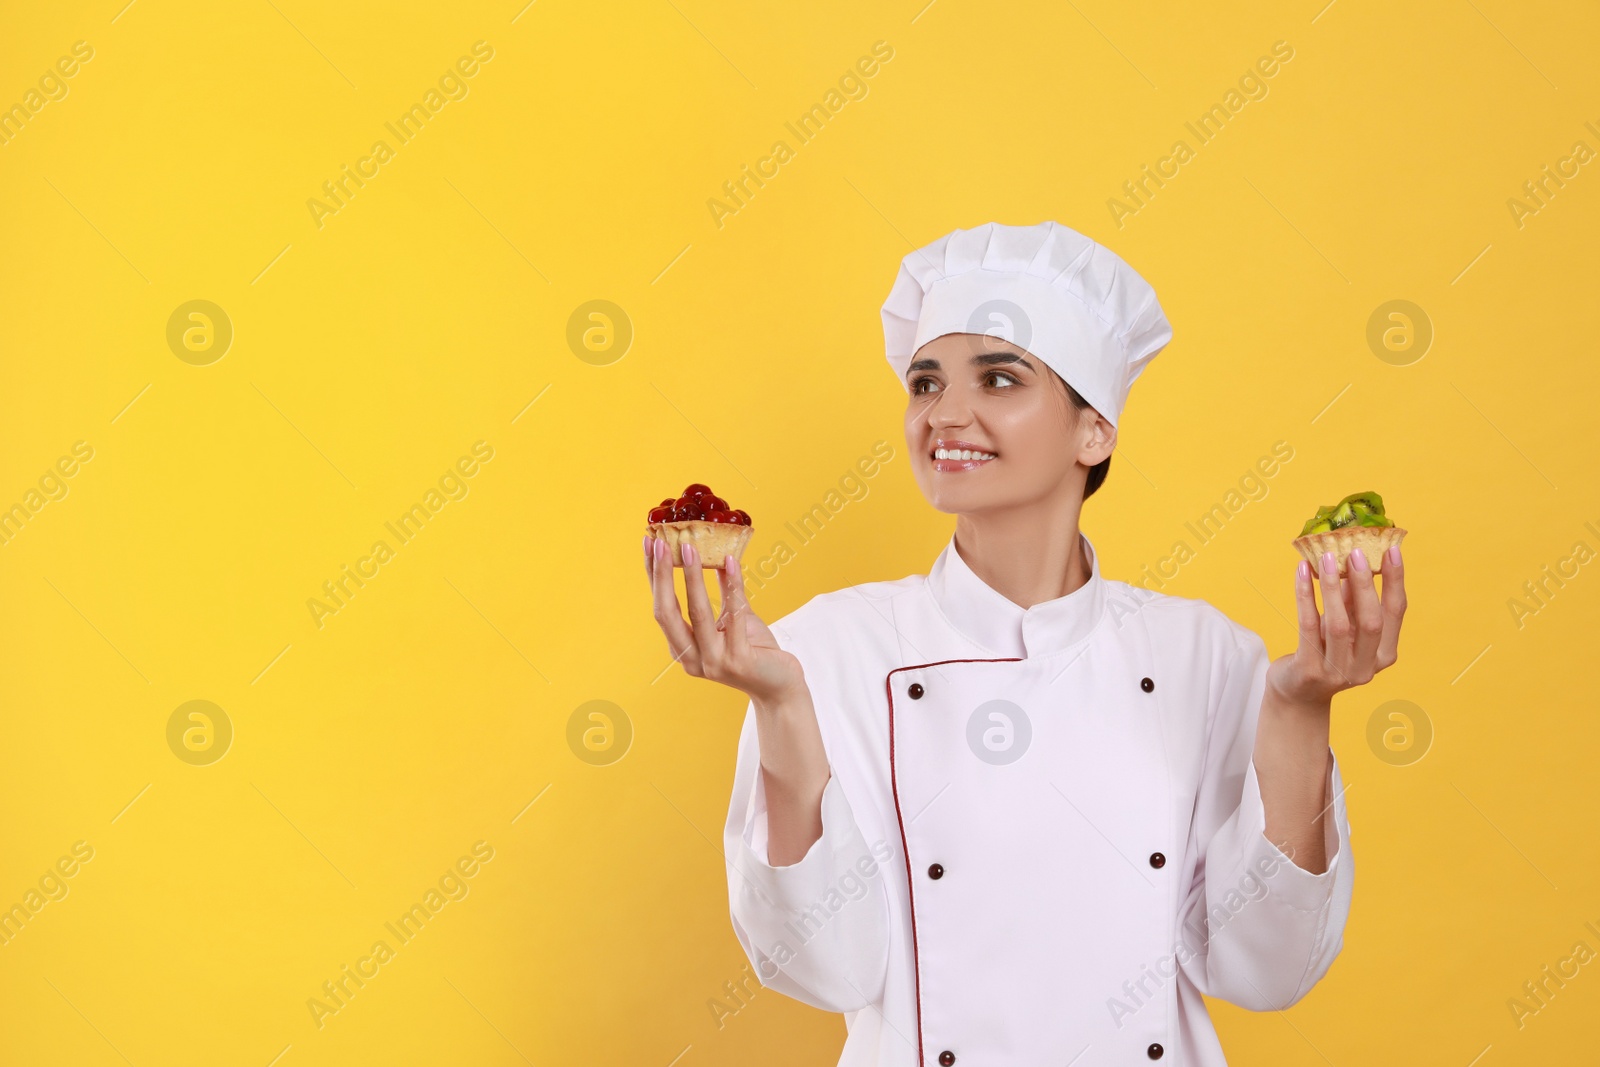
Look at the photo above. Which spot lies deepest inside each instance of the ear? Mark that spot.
(1098, 436)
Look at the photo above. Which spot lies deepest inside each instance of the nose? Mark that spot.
(950, 409)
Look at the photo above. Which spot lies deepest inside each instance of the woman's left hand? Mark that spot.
(1354, 638)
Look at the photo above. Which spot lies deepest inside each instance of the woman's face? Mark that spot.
(979, 393)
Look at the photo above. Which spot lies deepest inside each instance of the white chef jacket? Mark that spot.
(1043, 837)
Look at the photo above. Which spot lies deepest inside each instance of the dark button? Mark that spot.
(1157, 860)
(1154, 1051)
(915, 690)
(1147, 685)
(946, 1058)
(936, 871)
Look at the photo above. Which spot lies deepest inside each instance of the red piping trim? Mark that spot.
(905, 848)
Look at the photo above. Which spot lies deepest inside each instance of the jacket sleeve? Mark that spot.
(1260, 931)
(816, 930)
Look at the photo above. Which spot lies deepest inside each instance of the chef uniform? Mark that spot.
(1043, 834)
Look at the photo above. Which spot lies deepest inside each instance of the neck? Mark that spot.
(1028, 555)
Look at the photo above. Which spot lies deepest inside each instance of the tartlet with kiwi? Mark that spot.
(1356, 523)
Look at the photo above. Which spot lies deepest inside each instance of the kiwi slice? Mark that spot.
(1357, 509)
(1369, 500)
(1317, 523)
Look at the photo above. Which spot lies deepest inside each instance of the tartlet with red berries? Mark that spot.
(700, 518)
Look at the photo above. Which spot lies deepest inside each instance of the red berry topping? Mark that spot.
(698, 504)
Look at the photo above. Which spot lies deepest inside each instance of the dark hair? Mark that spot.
(1097, 473)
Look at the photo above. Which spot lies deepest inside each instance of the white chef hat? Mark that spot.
(1047, 289)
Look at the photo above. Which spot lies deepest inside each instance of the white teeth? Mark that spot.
(961, 454)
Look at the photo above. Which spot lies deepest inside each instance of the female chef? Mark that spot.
(1010, 811)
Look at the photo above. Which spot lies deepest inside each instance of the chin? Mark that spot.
(962, 503)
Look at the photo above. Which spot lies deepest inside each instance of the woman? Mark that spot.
(1012, 812)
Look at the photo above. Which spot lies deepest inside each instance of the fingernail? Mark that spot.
(728, 563)
(660, 547)
(1394, 554)
(1329, 564)
(690, 556)
(1358, 560)
(1303, 572)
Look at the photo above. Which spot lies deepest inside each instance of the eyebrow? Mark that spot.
(988, 359)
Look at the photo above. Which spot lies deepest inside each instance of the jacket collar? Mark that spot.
(991, 621)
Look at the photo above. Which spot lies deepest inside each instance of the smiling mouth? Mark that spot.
(960, 459)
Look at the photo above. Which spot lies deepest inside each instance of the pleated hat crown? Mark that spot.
(1046, 288)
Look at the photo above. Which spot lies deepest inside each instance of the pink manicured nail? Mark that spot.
(660, 547)
(1329, 564)
(1303, 572)
(690, 556)
(1358, 560)
(1394, 554)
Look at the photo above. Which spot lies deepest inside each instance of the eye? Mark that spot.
(1002, 374)
(916, 383)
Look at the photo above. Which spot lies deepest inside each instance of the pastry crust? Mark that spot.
(713, 540)
(1372, 541)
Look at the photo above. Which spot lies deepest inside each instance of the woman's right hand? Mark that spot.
(736, 648)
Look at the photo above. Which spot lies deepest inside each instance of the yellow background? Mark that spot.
(372, 352)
